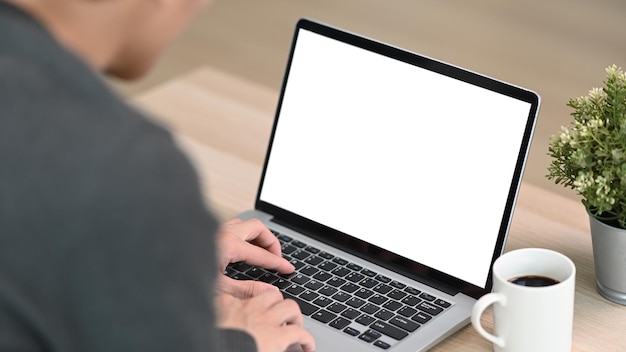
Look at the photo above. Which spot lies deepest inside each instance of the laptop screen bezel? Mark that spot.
(375, 254)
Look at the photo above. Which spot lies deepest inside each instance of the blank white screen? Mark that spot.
(395, 155)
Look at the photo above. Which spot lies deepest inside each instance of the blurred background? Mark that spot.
(557, 48)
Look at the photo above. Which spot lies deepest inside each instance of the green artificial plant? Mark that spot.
(589, 156)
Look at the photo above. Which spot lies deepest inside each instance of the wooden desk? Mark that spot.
(223, 122)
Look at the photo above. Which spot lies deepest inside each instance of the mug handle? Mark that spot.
(479, 308)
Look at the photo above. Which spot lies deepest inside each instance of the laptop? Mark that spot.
(390, 180)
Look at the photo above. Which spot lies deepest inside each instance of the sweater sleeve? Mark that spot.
(108, 248)
(231, 340)
(139, 265)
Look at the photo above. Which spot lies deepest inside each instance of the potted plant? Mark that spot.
(589, 156)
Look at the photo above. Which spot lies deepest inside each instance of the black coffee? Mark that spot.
(534, 281)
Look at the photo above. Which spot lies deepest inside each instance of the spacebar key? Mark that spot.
(389, 330)
(305, 307)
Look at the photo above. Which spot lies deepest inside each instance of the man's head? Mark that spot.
(122, 38)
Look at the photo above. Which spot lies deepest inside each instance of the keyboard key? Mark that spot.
(368, 272)
(407, 311)
(309, 295)
(392, 305)
(300, 254)
(341, 271)
(268, 277)
(365, 320)
(389, 330)
(363, 293)
(326, 255)
(425, 296)
(382, 344)
(312, 249)
(339, 323)
(397, 284)
(322, 276)
(411, 300)
(350, 313)
(298, 244)
(367, 338)
(295, 289)
(328, 266)
(341, 296)
(429, 308)
(323, 301)
(336, 307)
(309, 270)
(255, 272)
(370, 308)
(378, 299)
(282, 283)
(383, 278)
(298, 264)
(351, 331)
(241, 266)
(230, 272)
(324, 316)
(412, 291)
(421, 317)
(442, 303)
(397, 294)
(305, 307)
(373, 333)
(284, 238)
(335, 281)
(349, 287)
(382, 288)
(313, 260)
(383, 314)
(355, 302)
(369, 283)
(340, 261)
(404, 323)
(355, 277)
(240, 276)
(354, 267)
(300, 279)
(287, 249)
(328, 290)
(313, 285)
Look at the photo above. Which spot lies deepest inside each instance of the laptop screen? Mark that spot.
(416, 162)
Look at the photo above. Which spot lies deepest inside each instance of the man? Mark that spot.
(105, 242)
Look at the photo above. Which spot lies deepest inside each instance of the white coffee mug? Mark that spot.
(530, 318)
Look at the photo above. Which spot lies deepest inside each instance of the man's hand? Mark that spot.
(274, 323)
(251, 242)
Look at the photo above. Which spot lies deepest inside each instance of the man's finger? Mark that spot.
(295, 334)
(241, 251)
(256, 232)
(260, 257)
(242, 289)
(287, 312)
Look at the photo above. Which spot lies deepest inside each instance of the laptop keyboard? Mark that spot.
(346, 296)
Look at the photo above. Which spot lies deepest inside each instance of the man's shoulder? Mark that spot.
(71, 137)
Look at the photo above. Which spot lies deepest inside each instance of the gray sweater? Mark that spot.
(105, 242)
